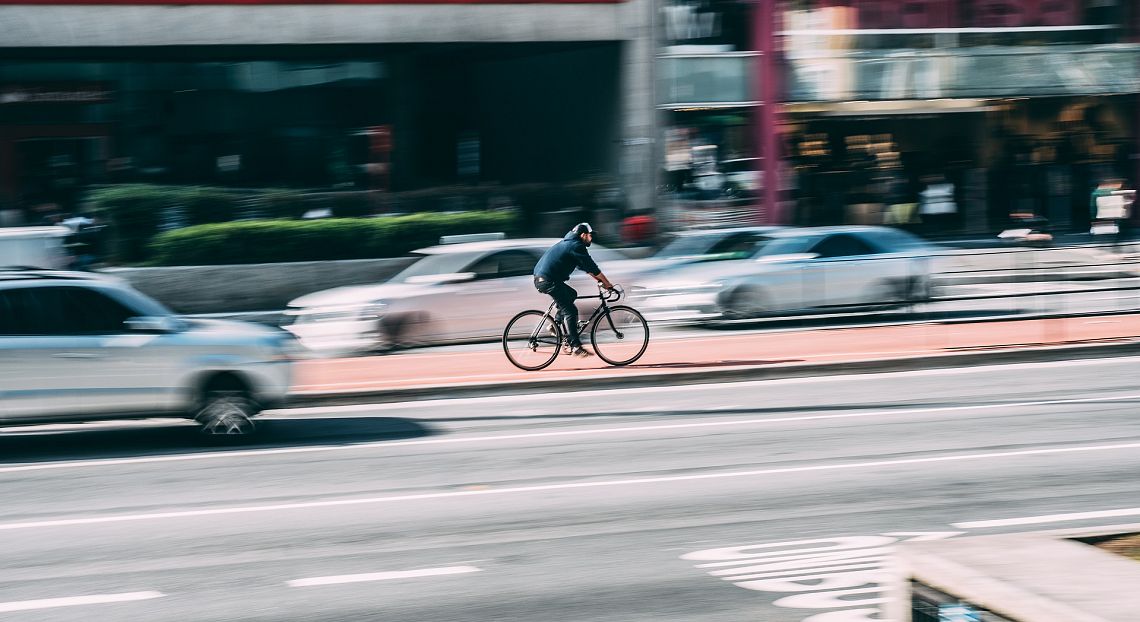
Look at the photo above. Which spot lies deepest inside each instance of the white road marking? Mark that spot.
(382, 576)
(1048, 518)
(559, 433)
(92, 520)
(72, 601)
(691, 388)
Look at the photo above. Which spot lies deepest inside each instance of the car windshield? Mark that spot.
(785, 246)
(442, 263)
(714, 246)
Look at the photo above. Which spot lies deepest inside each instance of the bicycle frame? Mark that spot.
(602, 309)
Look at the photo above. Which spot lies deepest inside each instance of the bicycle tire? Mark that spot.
(546, 346)
(635, 325)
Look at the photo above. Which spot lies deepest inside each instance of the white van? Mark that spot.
(34, 247)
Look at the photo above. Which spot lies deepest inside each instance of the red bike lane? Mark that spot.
(424, 368)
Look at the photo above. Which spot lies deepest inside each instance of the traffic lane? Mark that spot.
(595, 443)
(607, 551)
(706, 443)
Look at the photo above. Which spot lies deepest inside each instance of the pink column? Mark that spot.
(766, 87)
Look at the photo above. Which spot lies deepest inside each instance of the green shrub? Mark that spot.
(271, 241)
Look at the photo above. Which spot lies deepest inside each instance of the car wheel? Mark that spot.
(742, 304)
(226, 414)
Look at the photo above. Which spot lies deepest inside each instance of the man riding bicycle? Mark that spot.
(553, 270)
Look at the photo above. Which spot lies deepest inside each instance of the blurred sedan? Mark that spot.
(807, 270)
(452, 293)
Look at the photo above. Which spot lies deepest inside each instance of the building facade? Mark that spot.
(1023, 105)
(365, 95)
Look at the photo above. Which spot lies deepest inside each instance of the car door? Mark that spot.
(124, 371)
(77, 359)
(502, 287)
(841, 273)
(34, 379)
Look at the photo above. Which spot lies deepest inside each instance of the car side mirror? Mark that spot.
(153, 324)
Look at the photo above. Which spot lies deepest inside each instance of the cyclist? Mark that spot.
(553, 270)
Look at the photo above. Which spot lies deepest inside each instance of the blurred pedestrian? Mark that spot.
(936, 205)
(1109, 209)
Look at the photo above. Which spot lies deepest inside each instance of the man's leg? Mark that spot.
(565, 296)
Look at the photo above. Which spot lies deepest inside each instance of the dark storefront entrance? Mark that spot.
(390, 118)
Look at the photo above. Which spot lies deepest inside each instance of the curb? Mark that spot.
(724, 374)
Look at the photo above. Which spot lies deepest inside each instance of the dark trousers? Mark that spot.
(564, 296)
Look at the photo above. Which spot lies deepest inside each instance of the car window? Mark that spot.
(741, 244)
(504, 264)
(516, 263)
(842, 245)
(60, 311)
(894, 241)
(19, 313)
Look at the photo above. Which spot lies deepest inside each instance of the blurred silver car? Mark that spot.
(815, 269)
(452, 293)
(78, 347)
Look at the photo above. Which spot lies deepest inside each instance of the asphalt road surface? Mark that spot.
(708, 503)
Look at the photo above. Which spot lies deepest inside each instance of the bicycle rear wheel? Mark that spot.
(531, 340)
(622, 338)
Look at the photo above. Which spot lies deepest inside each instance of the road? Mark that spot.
(615, 505)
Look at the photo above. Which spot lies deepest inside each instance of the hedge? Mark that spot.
(271, 241)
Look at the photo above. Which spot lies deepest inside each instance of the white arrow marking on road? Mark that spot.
(72, 601)
(923, 536)
(1049, 518)
(304, 505)
(381, 576)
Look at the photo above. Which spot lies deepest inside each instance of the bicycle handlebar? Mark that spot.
(611, 295)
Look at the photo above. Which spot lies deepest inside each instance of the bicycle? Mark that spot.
(619, 334)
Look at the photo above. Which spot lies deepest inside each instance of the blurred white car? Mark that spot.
(452, 293)
(816, 269)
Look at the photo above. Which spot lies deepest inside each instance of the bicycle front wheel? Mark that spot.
(622, 337)
(531, 340)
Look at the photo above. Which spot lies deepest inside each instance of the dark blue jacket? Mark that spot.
(560, 260)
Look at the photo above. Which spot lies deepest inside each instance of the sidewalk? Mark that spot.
(724, 357)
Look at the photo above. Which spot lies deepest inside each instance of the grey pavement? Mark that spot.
(598, 506)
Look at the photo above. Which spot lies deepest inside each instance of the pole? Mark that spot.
(767, 93)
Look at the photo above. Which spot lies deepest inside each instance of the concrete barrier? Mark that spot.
(1024, 577)
(252, 287)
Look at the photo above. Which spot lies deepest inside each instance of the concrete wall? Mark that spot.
(253, 287)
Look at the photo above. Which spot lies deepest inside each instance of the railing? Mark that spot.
(992, 71)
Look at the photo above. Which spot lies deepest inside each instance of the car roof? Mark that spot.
(34, 232)
(489, 245)
(25, 274)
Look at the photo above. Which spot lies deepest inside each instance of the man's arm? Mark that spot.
(601, 278)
